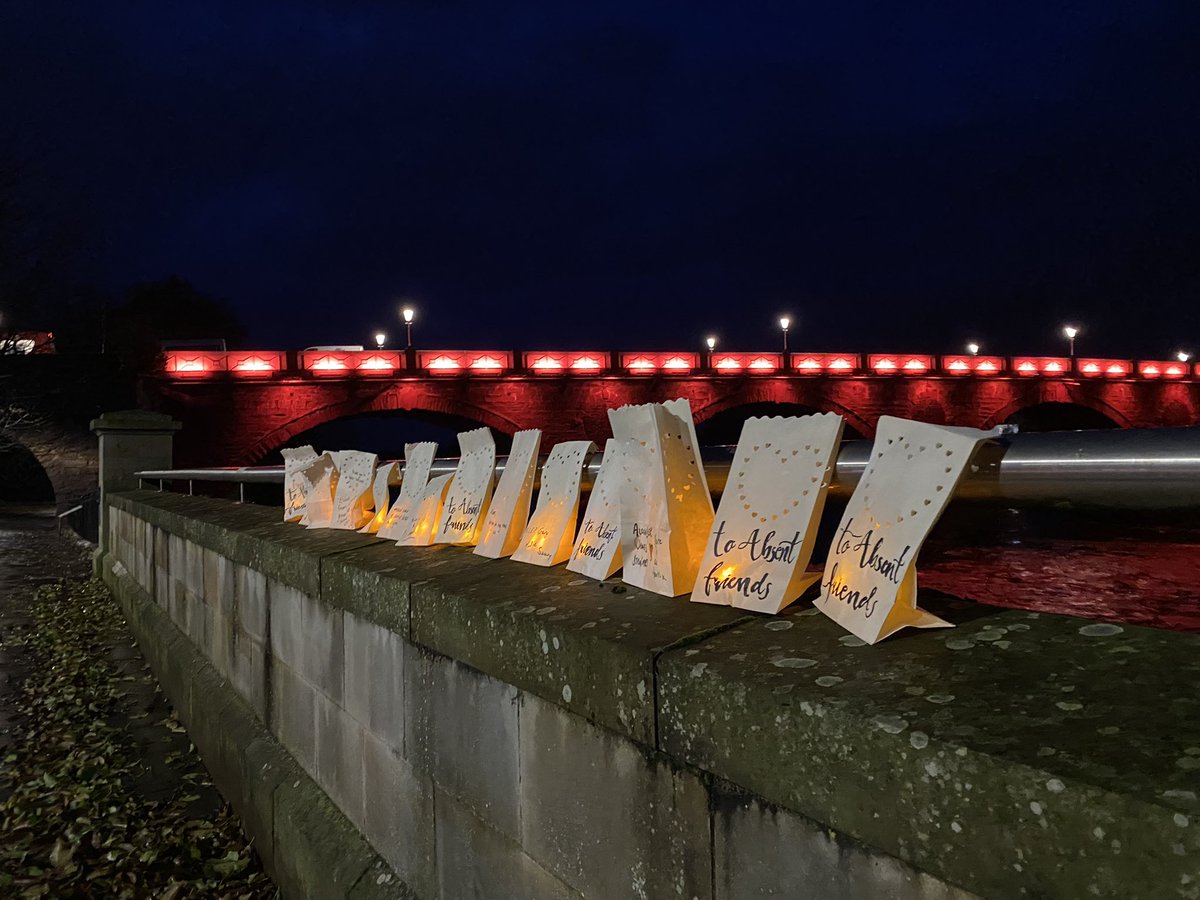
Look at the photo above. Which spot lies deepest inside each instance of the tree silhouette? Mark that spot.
(42, 231)
(166, 310)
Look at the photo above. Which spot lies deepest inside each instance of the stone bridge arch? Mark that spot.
(69, 459)
(1058, 393)
(778, 394)
(392, 400)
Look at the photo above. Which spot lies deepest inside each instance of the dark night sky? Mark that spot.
(896, 175)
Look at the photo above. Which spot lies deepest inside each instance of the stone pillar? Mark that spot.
(130, 441)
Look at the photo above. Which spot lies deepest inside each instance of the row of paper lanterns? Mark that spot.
(650, 513)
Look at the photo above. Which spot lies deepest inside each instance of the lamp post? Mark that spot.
(410, 355)
(973, 348)
(380, 339)
(711, 343)
(784, 322)
(408, 313)
(1071, 331)
(1182, 355)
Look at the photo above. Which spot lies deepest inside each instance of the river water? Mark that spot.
(1113, 565)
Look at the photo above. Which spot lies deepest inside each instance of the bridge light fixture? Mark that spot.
(380, 339)
(1182, 355)
(1071, 331)
(408, 314)
(711, 342)
(973, 348)
(784, 323)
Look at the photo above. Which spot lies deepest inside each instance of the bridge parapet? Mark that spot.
(185, 364)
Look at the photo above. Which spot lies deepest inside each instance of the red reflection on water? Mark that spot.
(1137, 582)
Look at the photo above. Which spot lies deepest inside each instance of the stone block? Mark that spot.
(374, 681)
(221, 726)
(763, 851)
(247, 671)
(373, 583)
(317, 853)
(568, 639)
(464, 733)
(475, 861)
(307, 636)
(144, 555)
(219, 592)
(322, 661)
(397, 815)
(176, 566)
(250, 592)
(127, 545)
(265, 765)
(293, 715)
(162, 568)
(198, 623)
(286, 611)
(339, 755)
(607, 816)
(193, 575)
(221, 638)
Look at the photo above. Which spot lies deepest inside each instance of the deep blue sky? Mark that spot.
(896, 175)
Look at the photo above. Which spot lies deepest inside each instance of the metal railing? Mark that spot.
(1153, 468)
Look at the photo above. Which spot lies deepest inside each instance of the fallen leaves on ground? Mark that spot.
(72, 821)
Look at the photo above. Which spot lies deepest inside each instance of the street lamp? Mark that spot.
(973, 348)
(711, 342)
(1182, 355)
(380, 339)
(1071, 331)
(408, 313)
(784, 322)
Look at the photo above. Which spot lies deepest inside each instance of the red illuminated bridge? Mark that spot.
(238, 407)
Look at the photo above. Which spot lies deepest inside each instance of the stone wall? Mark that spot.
(426, 723)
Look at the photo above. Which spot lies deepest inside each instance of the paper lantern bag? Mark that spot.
(418, 461)
(550, 534)
(471, 490)
(508, 512)
(869, 586)
(318, 479)
(295, 459)
(597, 550)
(666, 509)
(353, 499)
(418, 526)
(385, 474)
(757, 554)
